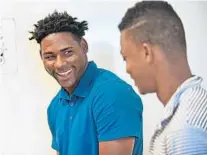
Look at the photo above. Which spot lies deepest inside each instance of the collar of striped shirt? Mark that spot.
(174, 101)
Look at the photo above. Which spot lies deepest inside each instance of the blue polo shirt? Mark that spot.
(102, 108)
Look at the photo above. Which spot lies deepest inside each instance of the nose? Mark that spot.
(60, 62)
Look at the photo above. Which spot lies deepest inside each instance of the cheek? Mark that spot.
(49, 70)
(78, 58)
(78, 62)
(47, 64)
(72, 61)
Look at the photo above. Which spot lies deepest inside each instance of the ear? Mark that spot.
(148, 52)
(84, 45)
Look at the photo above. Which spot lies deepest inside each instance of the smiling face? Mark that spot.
(139, 58)
(64, 57)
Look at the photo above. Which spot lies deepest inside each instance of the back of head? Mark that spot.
(157, 23)
(58, 22)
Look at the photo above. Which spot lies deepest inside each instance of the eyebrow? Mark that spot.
(47, 53)
(64, 49)
(61, 50)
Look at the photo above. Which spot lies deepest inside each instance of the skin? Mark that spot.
(117, 147)
(152, 68)
(64, 58)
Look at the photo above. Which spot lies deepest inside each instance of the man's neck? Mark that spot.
(170, 81)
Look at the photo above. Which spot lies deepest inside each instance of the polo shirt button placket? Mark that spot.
(71, 105)
(72, 102)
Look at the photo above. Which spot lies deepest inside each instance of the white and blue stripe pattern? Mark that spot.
(183, 129)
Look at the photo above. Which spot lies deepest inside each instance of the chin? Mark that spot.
(66, 84)
(145, 91)
(142, 91)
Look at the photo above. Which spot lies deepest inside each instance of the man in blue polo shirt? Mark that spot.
(95, 112)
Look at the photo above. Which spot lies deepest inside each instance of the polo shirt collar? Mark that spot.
(175, 99)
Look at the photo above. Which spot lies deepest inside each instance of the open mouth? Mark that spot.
(64, 74)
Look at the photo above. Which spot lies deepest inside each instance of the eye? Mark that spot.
(67, 53)
(49, 57)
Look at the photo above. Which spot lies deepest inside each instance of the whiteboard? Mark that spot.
(8, 60)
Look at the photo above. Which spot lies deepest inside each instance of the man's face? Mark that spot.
(64, 57)
(138, 63)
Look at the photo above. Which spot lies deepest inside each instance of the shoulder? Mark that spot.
(112, 89)
(192, 106)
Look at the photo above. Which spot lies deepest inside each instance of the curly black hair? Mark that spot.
(155, 22)
(58, 22)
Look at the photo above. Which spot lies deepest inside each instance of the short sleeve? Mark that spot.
(117, 112)
(51, 123)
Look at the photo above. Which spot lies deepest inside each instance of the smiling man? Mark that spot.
(95, 112)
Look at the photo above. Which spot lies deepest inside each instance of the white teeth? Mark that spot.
(65, 73)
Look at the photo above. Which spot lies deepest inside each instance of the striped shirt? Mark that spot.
(183, 129)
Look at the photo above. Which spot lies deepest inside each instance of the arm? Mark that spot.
(187, 141)
(117, 147)
(118, 117)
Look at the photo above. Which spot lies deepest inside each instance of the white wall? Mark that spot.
(26, 91)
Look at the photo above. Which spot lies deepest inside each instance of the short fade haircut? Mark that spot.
(58, 22)
(155, 22)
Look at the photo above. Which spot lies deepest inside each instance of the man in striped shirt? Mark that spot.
(154, 47)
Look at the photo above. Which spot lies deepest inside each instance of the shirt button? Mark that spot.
(71, 117)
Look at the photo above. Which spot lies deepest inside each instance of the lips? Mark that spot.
(64, 75)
